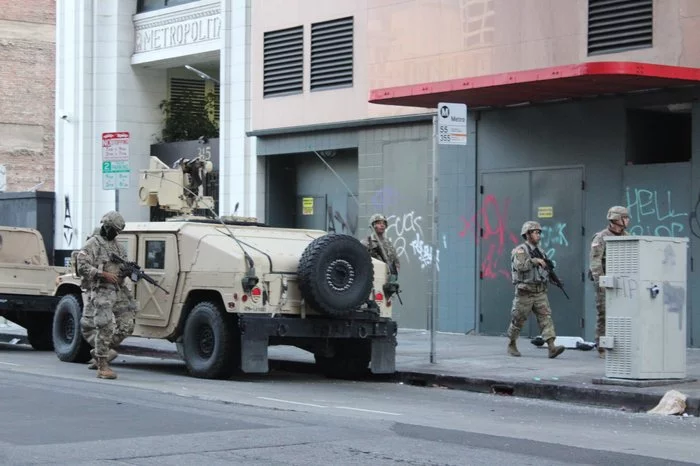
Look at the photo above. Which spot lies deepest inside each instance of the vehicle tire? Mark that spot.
(40, 334)
(335, 274)
(68, 341)
(351, 361)
(208, 343)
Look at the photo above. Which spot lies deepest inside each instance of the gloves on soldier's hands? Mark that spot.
(110, 277)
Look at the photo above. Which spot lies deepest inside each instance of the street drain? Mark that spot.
(500, 389)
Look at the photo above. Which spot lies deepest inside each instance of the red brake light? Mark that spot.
(256, 291)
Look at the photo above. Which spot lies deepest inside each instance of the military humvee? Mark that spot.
(236, 286)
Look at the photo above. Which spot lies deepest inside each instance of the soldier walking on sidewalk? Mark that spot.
(531, 277)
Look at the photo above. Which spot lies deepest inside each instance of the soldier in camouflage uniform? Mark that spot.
(618, 222)
(530, 277)
(108, 316)
(379, 245)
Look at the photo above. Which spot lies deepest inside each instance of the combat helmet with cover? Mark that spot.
(377, 218)
(617, 212)
(529, 226)
(113, 219)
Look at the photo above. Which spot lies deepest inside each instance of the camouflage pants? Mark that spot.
(108, 318)
(600, 312)
(535, 302)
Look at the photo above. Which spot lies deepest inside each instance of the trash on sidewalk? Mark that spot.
(673, 402)
(567, 342)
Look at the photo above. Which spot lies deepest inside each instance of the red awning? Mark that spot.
(540, 85)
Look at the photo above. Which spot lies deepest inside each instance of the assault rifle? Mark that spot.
(535, 252)
(134, 271)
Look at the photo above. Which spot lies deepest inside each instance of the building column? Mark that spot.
(238, 164)
(98, 91)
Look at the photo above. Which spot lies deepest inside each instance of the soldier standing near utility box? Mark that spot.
(618, 222)
(110, 310)
(531, 278)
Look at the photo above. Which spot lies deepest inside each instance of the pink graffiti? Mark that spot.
(496, 240)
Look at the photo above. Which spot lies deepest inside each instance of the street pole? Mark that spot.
(436, 245)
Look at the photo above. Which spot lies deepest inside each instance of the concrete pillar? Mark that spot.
(238, 173)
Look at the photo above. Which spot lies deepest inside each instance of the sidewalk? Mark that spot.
(479, 363)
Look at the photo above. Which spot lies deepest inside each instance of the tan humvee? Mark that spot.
(236, 286)
(27, 284)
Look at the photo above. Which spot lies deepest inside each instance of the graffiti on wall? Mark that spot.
(488, 228)
(694, 219)
(337, 223)
(652, 213)
(496, 239)
(68, 229)
(553, 238)
(406, 233)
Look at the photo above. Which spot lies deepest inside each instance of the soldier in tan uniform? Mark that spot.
(618, 222)
(531, 278)
(108, 316)
(378, 245)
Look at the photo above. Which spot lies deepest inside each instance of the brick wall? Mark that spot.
(27, 75)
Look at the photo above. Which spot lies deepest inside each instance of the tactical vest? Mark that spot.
(532, 276)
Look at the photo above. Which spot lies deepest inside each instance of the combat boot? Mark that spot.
(554, 351)
(103, 369)
(112, 356)
(513, 349)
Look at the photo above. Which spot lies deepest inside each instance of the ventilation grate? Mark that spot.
(283, 62)
(332, 54)
(622, 258)
(618, 25)
(187, 90)
(618, 362)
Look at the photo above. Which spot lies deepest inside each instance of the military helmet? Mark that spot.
(528, 227)
(377, 218)
(113, 219)
(617, 212)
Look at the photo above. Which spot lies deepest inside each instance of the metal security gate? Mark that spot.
(553, 197)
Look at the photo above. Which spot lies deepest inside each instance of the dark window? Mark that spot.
(619, 25)
(151, 5)
(283, 62)
(332, 54)
(660, 136)
(155, 254)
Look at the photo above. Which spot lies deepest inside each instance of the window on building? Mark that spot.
(192, 110)
(283, 62)
(332, 54)
(150, 5)
(660, 134)
(619, 25)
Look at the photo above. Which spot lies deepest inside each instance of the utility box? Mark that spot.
(645, 300)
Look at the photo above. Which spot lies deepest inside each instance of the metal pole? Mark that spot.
(436, 245)
(116, 200)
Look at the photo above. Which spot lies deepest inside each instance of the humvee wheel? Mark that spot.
(68, 341)
(40, 334)
(208, 343)
(335, 274)
(350, 361)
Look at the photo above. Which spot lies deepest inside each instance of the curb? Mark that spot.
(613, 398)
(609, 398)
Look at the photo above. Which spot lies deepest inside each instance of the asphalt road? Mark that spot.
(59, 413)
